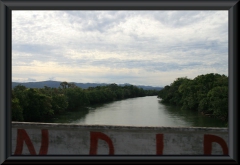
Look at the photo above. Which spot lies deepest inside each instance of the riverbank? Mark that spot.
(212, 116)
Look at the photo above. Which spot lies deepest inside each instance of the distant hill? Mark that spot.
(56, 84)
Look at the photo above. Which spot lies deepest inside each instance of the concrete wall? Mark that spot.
(56, 139)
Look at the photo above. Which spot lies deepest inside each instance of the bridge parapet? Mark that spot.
(73, 139)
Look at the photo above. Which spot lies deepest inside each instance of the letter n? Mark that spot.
(23, 136)
(94, 136)
(209, 139)
(159, 144)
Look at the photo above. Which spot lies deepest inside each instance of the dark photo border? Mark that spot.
(6, 7)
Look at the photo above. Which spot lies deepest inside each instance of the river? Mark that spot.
(141, 111)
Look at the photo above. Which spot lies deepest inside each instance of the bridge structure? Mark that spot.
(74, 139)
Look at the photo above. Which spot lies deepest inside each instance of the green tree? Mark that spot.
(59, 103)
(218, 97)
(205, 93)
(64, 84)
(17, 111)
(173, 94)
(39, 106)
(76, 98)
(20, 94)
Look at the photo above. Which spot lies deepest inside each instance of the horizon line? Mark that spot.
(86, 83)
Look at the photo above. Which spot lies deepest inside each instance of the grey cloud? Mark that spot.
(116, 63)
(177, 19)
(148, 65)
(38, 52)
(164, 67)
(102, 20)
(184, 53)
(144, 44)
(95, 20)
(32, 48)
(153, 46)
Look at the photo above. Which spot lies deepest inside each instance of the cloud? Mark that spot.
(118, 45)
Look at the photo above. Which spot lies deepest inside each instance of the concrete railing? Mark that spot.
(57, 139)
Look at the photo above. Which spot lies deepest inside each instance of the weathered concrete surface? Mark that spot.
(70, 139)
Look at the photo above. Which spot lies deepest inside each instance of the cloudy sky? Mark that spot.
(137, 47)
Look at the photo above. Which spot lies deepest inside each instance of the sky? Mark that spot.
(137, 47)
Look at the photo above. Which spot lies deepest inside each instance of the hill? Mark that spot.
(56, 84)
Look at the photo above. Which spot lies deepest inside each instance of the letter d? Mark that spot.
(209, 139)
(94, 136)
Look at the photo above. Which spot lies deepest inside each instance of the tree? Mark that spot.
(59, 103)
(218, 97)
(76, 98)
(205, 93)
(19, 93)
(39, 106)
(64, 84)
(173, 93)
(72, 85)
(17, 111)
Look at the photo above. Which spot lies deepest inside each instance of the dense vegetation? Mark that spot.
(207, 94)
(41, 104)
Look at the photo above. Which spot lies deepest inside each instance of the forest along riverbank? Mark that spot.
(42, 104)
(141, 111)
(206, 94)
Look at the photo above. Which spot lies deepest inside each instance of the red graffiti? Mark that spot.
(159, 144)
(94, 136)
(209, 139)
(23, 136)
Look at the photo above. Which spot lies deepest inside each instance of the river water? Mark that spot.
(141, 111)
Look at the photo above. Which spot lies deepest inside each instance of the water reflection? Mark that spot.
(69, 117)
(142, 111)
(192, 118)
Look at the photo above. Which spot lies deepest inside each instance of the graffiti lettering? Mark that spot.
(23, 136)
(159, 144)
(209, 139)
(94, 136)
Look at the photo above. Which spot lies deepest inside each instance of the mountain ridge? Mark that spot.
(56, 84)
